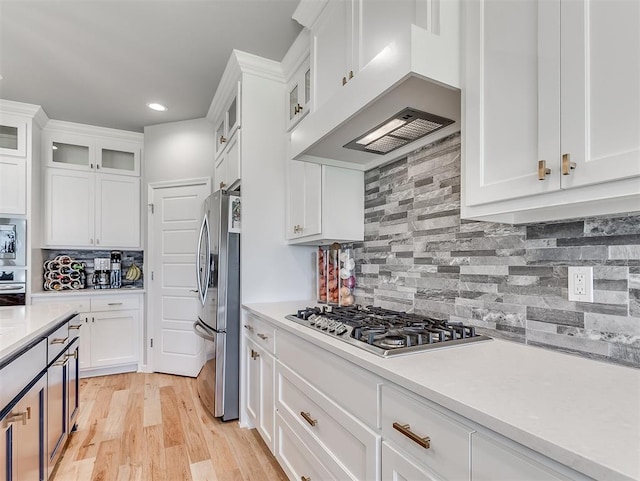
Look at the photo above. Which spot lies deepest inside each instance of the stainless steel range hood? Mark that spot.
(411, 72)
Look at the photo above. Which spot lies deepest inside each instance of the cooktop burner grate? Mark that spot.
(384, 331)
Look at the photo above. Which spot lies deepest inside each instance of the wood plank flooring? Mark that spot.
(152, 427)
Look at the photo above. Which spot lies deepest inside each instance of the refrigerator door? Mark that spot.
(202, 272)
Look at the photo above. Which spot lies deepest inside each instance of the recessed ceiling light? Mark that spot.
(156, 106)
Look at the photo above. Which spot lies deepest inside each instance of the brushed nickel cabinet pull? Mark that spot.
(222, 185)
(57, 340)
(222, 139)
(114, 304)
(307, 417)
(350, 74)
(543, 171)
(567, 165)
(262, 336)
(405, 429)
(254, 355)
(63, 361)
(75, 326)
(344, 80)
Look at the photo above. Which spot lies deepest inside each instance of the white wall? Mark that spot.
(178, 150)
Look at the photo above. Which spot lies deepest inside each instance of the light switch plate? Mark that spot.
(581, 284)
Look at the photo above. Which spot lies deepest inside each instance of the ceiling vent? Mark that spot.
(401, 129)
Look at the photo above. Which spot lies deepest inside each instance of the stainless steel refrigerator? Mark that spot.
(218, 322)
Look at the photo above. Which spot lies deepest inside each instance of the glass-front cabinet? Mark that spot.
(80, 152)
(228, 122)
(299, 94)
(13, 135)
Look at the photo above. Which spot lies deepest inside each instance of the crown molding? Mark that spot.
(308, 11)
(28, 110)
(63, 126)
(297, 54)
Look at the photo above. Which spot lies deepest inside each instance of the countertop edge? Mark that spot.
(558, 453)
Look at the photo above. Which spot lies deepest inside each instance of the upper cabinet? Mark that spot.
(299, 94)
(71, 150)
(13, 135)
(227, 131)
(552, 123)
(228, 121)
(91, 187)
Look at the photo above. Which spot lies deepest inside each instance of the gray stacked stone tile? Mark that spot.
(509, 281)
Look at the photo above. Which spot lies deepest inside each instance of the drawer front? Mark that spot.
(15, 376)
(449, 441)
(351, 442)
(81, 304)
(297, 460)
(114, 303)
(58, 340)
(355, 389)
(261, 332)
(397, 467)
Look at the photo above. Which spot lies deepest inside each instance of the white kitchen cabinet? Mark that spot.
(110, 330)
(228, 120)
(526, 62)
(227, 171)
(13, 135)
(299, 94)
(69, 149)
(13, 185)
(87, 209)
(325, 204)
(348, 35)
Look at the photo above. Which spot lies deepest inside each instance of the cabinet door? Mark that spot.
(117, 211)
(232, 158)
(84, 348)
(305, 199)
(13, 135)
(13, 185)
(220, 174)
(22, 434)
(397, 467)
(114, 338)
(221, 136)
(57, 427)
(69, 208)
(512, 99)
(68, 151)
(73, 384)
(233, 114)
(299, 95)
(600, 94)
(118, 157)
(296, 184)
(252, 387)
(266, 418)
(332, 47)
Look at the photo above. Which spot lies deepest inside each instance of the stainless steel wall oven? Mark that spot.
(13, 261)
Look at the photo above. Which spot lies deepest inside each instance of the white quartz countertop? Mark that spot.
(582, 413)
(21, 324)
(89, 292)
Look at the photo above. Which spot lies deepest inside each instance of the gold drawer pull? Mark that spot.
(543, 171)
(63, 361)
(567, 165)
(13, 417)
(305, 478)
(75, 326)
(58, 340)
(405, 429)
(307, 417)
(263, 336)
(254, 355)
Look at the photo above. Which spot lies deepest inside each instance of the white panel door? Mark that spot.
(173, 237)
(601, 90)
(13, 185)
(69, 208)
(511, 99)
(117, 211)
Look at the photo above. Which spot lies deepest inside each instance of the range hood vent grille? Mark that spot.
(405, 127)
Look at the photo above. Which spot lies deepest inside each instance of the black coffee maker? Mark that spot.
(116, 269)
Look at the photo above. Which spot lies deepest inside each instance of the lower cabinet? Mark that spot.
(22, 430)
(57, 418)
(398, 467)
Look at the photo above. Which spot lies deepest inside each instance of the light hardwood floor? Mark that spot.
(152, 427)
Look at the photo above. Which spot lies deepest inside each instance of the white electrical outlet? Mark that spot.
(581, 284)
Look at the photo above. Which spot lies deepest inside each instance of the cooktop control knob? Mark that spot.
(341, 329)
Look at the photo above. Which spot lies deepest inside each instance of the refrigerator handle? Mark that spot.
(209, 260)
(202, 330)
(198, 266)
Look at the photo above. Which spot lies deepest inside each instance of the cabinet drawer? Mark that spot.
(351, 442)
(296, 458)
(80, 304)
(354, 388)
(57, 341)
(449, 441)
(114, 303)
(262, 333)
(15, 375)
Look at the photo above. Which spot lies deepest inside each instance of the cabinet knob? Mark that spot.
(350, 74)
(262, 336)
(344, 80)
(297, 109)
(254, 355)
(222, 185)
(97, 241)
(222, 139)
(567, 165)
(248, 327)
(543, 171)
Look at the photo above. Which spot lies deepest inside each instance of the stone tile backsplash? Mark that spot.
(509, 281)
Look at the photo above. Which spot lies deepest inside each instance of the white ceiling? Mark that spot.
(99, 62)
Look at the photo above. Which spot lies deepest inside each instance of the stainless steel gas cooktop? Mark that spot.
(385, 332)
